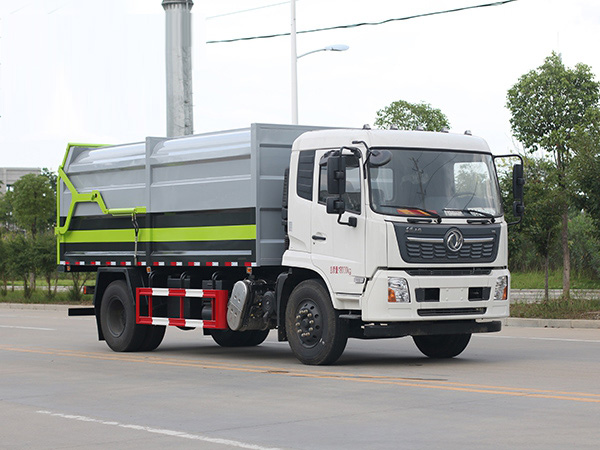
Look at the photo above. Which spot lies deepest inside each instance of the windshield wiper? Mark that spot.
(485, 215)
(427, 215)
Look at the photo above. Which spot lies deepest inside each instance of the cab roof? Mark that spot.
(336, 138)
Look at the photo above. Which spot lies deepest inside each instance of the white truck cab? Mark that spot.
(407, 229)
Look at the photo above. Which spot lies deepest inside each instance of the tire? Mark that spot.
(442, 346)
(117, 319)
(257, 337)
(154, 337)
(315, 332)
(230, 338)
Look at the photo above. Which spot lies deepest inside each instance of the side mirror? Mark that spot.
(336, 175)
(378, 158)
(336, 205)
(518, 183)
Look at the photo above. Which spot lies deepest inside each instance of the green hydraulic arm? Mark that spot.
(86, 197)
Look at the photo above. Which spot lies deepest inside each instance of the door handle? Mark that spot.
(316, 237)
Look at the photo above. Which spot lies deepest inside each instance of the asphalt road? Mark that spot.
(521, 388)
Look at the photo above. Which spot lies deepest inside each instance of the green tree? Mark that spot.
(33, 203)
(410, 116)
(4, 267)
(52, 178)
(585, 244)
(6, 215)
(586, 166)
(45, 259)
(79, 279)
(21, 258)
(548, 105)
(541, 224)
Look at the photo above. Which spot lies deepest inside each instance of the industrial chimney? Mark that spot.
(178, 46)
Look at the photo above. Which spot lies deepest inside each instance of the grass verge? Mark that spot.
(42, 297)
(558, 309)
(535, 280)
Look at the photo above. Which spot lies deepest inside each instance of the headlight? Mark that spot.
(398, 290)
(501, 289)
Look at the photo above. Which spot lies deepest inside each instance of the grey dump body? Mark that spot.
(209, 199)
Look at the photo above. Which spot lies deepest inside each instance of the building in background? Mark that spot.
(8, 176)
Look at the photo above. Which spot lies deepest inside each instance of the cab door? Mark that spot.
(338, 250)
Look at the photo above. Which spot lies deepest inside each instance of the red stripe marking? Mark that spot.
(177, 292)
(177, 322)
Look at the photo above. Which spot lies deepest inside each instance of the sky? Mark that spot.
(93, 71)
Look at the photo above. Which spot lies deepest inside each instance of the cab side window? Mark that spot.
(304, 183)
(352, 195)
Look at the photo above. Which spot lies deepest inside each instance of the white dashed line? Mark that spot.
(179, 434)
(28, 328)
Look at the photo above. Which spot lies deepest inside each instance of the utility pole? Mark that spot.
(294, 56)
(178, 47)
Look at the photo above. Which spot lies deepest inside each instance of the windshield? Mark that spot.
(432, 183)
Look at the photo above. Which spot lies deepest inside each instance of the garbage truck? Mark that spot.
(322, 234)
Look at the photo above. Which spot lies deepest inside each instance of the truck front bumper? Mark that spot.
(401, 329)
(434, 298)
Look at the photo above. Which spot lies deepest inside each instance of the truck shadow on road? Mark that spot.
(273, 353)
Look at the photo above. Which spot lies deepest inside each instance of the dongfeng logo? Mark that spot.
(454, 240)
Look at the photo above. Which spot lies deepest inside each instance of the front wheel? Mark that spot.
(442, 346)
(315, 332)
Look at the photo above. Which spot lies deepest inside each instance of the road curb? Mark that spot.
(550, 323)
(35, 306)
(508, 322)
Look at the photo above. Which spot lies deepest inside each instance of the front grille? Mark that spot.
(448, 272)
(427, 250)
(426, 243)
(451, 312)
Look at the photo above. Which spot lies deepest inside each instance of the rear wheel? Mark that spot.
(315, 332)
(155, 335)
(117, 319)
(230, 338)
(442, 346)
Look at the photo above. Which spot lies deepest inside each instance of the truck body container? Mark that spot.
(210, 199)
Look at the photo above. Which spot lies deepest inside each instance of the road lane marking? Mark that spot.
(322, 374)
(28, 328)
(593, 341)
(162, 431)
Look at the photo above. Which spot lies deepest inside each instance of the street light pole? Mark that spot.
(329, 48)
(294, 61)
(295, 58)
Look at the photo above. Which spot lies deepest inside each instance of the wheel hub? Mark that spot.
(309, 325)
(116, 318)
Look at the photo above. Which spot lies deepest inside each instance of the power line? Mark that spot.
(355, 25)
(246, 10)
